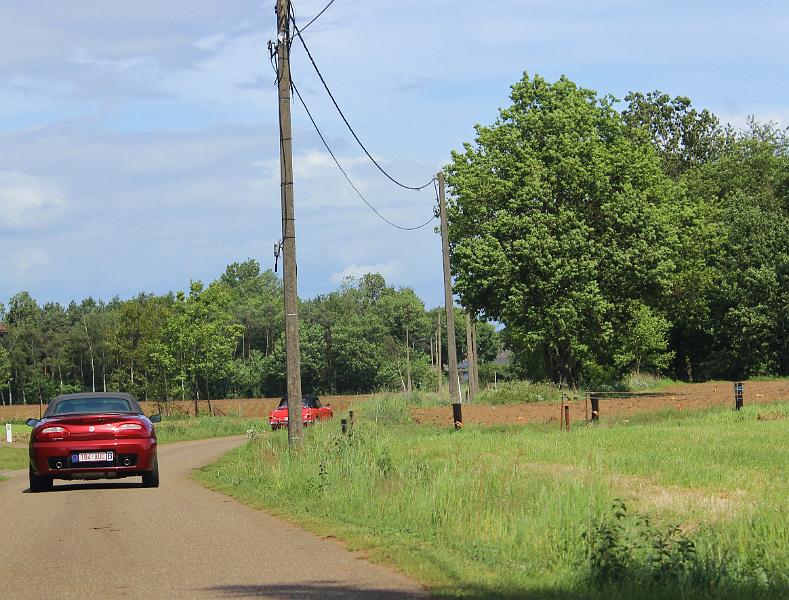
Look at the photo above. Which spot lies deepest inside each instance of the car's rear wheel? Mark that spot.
(150, 479)
(39, 483)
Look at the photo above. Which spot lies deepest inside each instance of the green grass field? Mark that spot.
(521, 512)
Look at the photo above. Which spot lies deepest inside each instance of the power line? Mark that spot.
(315, 18)
(339, 110)
(347, 177)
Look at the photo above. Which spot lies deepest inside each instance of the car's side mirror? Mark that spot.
(32, 422)
(155, 418)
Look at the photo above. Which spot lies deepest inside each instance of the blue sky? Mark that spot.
(138, 140)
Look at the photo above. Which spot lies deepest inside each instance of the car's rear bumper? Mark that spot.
(276, 424)
(130, 457)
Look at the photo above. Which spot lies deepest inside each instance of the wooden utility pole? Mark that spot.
(475, 354)
(454, 388)
(408, 360)
(438, 353)
(470, 357)
(292, 352)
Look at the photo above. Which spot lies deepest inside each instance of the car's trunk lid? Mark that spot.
(91, 427)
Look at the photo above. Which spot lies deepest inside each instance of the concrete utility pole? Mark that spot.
(292, 351)
(454, 388)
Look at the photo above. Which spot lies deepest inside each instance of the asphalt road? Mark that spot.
(107, 540)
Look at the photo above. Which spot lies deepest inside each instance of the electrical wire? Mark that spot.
(339, 110)
(347, 177)
(315, 18)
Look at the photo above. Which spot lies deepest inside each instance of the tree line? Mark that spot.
(225, 339)
(612, 237)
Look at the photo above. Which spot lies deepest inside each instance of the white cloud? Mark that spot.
(27, 202)
(390, 271)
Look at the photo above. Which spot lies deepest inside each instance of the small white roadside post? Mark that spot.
(9, 436)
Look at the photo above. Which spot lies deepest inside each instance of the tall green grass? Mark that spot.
(516, 392)
(511, 511)
(197, 428)
(12, 459)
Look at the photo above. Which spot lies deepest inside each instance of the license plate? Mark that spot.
(92, 457)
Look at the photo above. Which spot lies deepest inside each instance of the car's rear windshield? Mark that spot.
(92, 406)
(305, 403)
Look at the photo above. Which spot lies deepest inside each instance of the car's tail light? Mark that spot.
(129, 430)
(52, 434)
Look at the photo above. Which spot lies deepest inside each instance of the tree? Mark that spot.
(559, 218)
(5, 369)
(683, 136)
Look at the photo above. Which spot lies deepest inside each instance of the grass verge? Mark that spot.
(506, 512)
(12, 458)
(197, 428)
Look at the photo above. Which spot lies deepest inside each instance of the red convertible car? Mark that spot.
(312, 411)
(93, 436)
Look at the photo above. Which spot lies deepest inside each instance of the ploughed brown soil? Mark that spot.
(247, 407)
(693, 396)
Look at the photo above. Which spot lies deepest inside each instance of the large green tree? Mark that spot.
(558, 224)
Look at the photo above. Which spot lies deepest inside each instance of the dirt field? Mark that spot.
(248, 407)
(686, 397)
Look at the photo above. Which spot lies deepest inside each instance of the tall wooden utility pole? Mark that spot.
(438, 353)
(408, 360)
(292, 352)
(454, 395)
(476, 356)
(470, 357)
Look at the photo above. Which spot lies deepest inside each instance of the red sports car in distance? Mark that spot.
(93, 436)
(312, 411)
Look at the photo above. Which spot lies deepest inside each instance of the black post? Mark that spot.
(567, 417)
(595, 406)
(457, 415)
(738, 400)
(344, 423)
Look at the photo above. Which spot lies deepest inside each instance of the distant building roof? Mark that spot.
(3, 329)
(504, 358)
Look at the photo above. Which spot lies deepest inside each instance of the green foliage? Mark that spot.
(557, 225)
(683, 136)
(607, 242)
(225, 340)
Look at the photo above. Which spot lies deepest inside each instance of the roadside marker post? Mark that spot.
(9, 435)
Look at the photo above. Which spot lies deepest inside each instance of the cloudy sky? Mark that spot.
(138, 139)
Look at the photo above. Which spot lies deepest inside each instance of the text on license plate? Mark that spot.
(92, 457)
